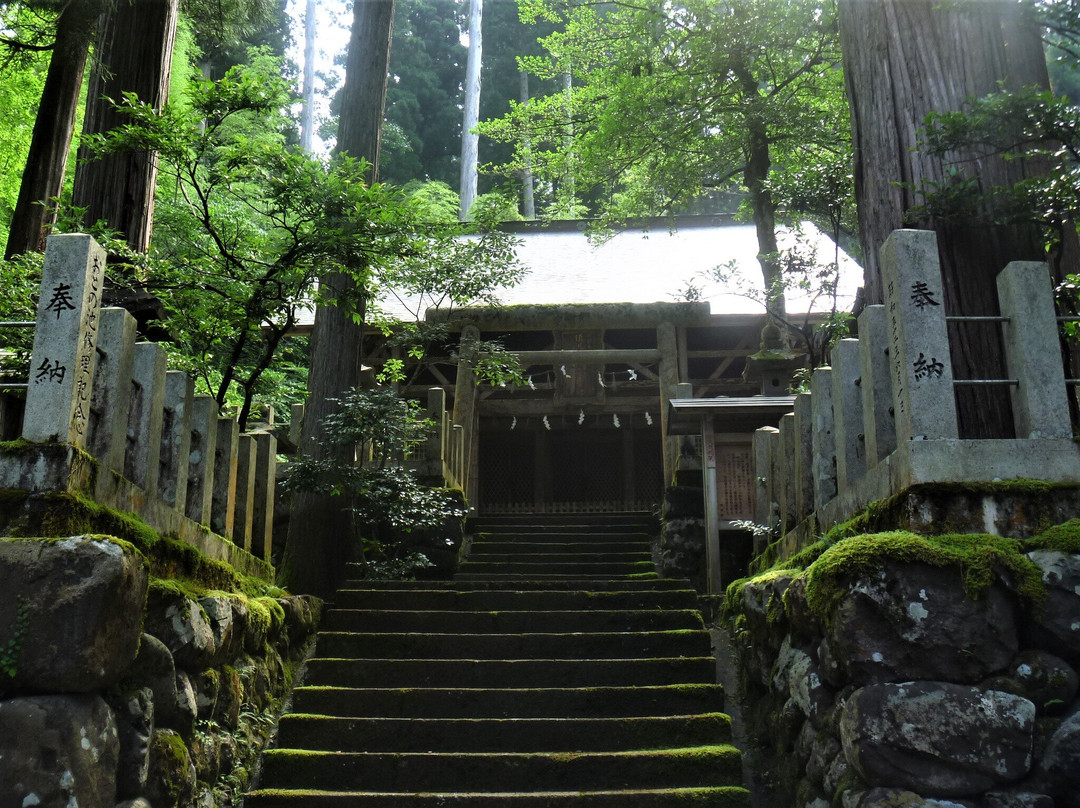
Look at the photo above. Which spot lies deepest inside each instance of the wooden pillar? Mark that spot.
(465, 406)
(667, 343)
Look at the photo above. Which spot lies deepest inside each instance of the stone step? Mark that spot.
(317, 732)
(652, 583)
(532, 645)
(557, 554)
(507, 622)
(510, 702)
(500, 771)
(578, 581)
(508, 672)
(566, 569)
(535, 536)
(543, 600)
(713, 797)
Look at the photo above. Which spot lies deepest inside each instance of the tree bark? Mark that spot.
(134, 55)
(902, 60)
(307, 118)
(320, 528)
(528, 202)
(43, 177)
(470, 141)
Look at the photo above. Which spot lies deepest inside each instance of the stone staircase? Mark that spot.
(556, 669)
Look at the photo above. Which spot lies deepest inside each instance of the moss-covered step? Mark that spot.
(532, 702)
(499, 554)
(468, 599)
(721, 797)
(576, 645)
(715, 765)
(494, 544)
(510, 621)
(508, 672)
(564, 569)
(573, 537)
(551, 583)
(320, 732)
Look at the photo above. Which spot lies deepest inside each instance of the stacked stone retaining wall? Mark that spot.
(898, 678)
(118, 688)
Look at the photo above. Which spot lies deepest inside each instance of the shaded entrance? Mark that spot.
(569, 468)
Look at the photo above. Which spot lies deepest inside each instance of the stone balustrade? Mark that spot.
(160, 451)
(882, 418)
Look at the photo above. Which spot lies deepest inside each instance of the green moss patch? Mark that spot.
(978, 556)
(1064, 538)
(60, 514)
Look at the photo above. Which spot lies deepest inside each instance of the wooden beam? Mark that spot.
(538, 407)
(588, 357)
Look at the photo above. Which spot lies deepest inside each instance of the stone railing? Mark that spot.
(883, 417)
(442, 457)
(161, 452)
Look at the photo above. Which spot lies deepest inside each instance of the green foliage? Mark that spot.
(18, 301)
(496, 205)
(439, 202)
(386, 501)
(22, 80)
(246, 223)
(663, 99)
(423, 113)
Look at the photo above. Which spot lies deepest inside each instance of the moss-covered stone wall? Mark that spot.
(132, 667)
(895, 669)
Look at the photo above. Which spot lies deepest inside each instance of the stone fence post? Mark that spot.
(924, 404)
(1033, 351)
(58, 398)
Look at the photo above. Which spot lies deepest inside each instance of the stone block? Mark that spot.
(924, 403)
(245, 492)
(804, 456)
(142, 463)
(57, 751)
(296, 424)
(203, 444)
(264, 485)
(913, 621)
(62, 362)
(848, 434)
(107, 435)
(1033, 351)
(134, 715)
(183, 626)
(941, 739)
(223, 507)
(823, 437)
(179, 401)
(879, 426)
(786, 457)
(73, 607)
(763, 443)
(1055, 625)
(172, 774)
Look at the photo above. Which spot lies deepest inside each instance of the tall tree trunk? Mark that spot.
(470, 141)
(43, 177)
(528, 203)
(320, 527)
(134, 55)
(902, 60)
(307, 119)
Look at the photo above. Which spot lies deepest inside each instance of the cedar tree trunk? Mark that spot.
(320, 528)
(902, 60)
(43, 177)
(134, 55)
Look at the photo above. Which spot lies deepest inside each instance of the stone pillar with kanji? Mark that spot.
(65, 341)
(924, 405)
